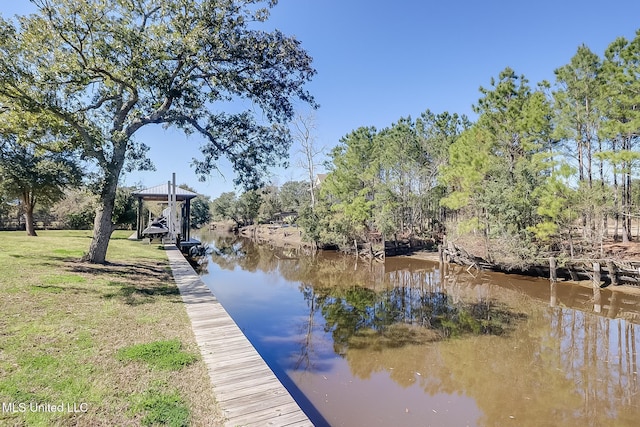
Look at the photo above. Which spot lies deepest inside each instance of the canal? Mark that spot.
(408, 343)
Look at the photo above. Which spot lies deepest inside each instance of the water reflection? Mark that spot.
(364, 342)
(359, 317)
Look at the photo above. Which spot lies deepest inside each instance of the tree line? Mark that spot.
(544, 169)
(540, 167)
(25, 207)
(262, 205)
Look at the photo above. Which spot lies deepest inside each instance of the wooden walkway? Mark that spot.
(248, 392)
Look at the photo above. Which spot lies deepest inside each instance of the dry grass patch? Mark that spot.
(63, 322)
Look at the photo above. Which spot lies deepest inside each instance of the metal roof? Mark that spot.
(161, 193)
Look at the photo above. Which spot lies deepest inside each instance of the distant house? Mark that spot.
(285, 217)
(319, 179)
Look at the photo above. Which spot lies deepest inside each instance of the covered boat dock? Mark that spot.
(169, 194)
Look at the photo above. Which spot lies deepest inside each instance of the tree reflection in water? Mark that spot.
(359, 317)
(571, 360)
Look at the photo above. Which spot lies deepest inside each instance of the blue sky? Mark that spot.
(378, 61)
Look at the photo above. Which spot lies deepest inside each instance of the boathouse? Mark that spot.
(168, 194)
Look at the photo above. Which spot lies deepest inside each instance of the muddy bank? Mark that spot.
(284, 236)
(583, 278)
(224, 226)
(614, 272)
(291, 237)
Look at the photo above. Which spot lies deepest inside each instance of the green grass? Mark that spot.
(65, 323)
(159, 354)
(162, 408)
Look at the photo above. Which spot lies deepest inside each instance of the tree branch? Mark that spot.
(99, 103)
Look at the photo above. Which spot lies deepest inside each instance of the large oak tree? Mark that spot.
(110, 67)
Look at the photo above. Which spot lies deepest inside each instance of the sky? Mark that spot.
(378, 61)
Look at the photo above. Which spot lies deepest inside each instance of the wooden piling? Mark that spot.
(596, 275)
(441, 254)
(553, 271)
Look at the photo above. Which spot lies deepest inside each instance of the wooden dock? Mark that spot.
(247, 390)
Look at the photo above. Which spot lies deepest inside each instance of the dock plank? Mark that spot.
(273, 417)
(247, 390)
(262, 393)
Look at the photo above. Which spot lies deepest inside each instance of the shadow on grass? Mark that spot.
(77, 265)
(60, 289)
(60, 259)
(139, 283)
(157, 271)
(141, 293)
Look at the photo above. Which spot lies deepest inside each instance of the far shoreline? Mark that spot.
(290, 236)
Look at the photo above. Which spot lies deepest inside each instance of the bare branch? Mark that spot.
(304, 127)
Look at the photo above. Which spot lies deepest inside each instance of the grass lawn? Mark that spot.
(95, 345)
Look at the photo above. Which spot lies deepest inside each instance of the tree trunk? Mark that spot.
(102, 229)
(102, 225)
(616, 205)
(628, 202)
(605, 226)
(571, 249)
(625, 205)
(625, 231)
(579, 147)
(29, 223)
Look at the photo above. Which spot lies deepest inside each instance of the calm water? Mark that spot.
(404, 343)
